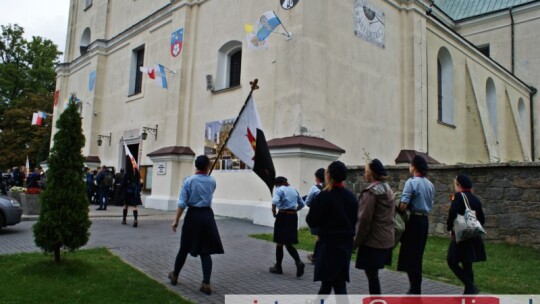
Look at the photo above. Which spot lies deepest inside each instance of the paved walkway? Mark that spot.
(243, 269)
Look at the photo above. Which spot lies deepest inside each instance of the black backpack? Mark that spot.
(108, 179)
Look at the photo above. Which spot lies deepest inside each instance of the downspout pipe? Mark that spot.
(512, 38)
(531, 103)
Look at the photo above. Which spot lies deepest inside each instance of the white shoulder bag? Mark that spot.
(466, 226)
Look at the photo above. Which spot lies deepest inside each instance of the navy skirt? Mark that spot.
(413, 243)
(132, 199)
(333, 259)
(286, 228)
(469, 251)
(369, 258)
(199, 232)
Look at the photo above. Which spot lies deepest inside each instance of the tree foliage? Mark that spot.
(63, 220)
(19, 138)
(27, 83)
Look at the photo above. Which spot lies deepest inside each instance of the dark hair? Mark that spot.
(202, 162)
(337, 171)
(319, 174)
(465, 181)
(281, 180)
(131, 174)
(420, 164)
(378, 171)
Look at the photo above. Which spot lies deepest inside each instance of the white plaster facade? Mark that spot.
(325, 82)
(517, 26)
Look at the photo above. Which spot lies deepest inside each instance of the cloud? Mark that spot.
(47, 19)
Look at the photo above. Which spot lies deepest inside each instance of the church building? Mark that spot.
(346, 79)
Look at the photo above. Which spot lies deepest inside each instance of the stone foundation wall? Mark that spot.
(510, 195)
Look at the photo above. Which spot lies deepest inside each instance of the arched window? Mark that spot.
(85, 41)
(491, 100)
(445, 87)
(229, 65)
(522, 113)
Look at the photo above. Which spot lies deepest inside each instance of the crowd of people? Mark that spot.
(21, 177)
(342, 223)
(103, 187)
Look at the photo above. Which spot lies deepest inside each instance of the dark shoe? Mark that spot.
(205, 288)
(124, 222)
(276, 269)
(300, 269)
(472, 291)
(135, 224)
(173, 279)
(99, 208)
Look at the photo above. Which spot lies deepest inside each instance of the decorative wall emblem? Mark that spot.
(177, 39)
(288, 4)
(369, 23)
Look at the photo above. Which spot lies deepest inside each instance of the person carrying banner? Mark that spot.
(200, 235)
(285, 203)
(131, 192)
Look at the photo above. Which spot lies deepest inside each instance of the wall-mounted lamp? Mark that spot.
(209, 83)
(144, 134)
(107, 137)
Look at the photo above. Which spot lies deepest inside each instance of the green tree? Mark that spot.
(20, 139)
(63, 220)
(27, 83)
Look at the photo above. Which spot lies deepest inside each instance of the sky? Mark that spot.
(45, 18)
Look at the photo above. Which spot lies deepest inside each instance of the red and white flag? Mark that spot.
(156, 73)
(131, 158)
(36, 119)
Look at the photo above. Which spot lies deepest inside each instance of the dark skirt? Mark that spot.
(370, 258)
(468, 251)
(132, 199)
(286, 228)
(199, 232)
(413, 243)
(333, 259)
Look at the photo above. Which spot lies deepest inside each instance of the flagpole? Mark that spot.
(283, 26)
(254, 87)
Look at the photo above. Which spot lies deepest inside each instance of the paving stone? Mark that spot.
(243, 269)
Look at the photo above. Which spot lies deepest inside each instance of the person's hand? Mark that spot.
(174, 226)
(452, 235)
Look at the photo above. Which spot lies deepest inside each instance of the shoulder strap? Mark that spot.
(319, 186)
(466, 201)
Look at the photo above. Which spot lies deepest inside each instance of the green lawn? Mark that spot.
(85, 276)
(508, 270)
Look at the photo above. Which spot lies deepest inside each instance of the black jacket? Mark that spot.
(334, 212)
(471, 250)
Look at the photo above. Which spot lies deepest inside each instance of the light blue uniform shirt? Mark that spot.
(197, 191)
(418, 194)
(312, 194)
(287, 198)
